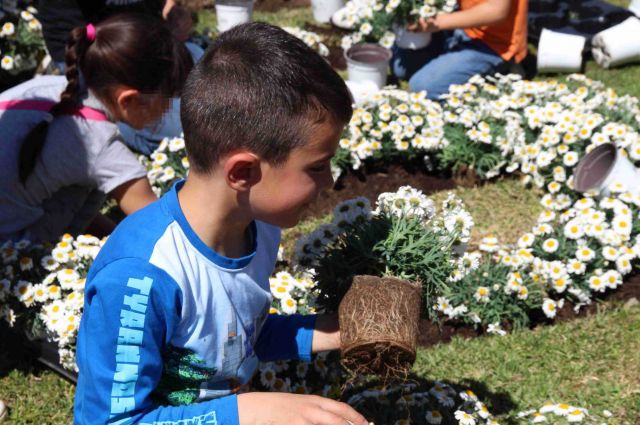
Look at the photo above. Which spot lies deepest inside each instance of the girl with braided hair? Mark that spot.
(60, 149)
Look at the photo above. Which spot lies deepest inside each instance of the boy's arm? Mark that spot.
(131, 311)
(296, 336)
(326, 336)
(486, 13)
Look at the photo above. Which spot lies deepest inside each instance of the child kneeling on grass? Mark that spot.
(176, 304)
(61, 151)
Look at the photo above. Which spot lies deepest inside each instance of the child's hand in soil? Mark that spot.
(295, 409)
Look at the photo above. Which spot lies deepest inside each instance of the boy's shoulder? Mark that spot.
(137, 235)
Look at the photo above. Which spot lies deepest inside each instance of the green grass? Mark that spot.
(589, 363)
(517, 212)
(285, 18)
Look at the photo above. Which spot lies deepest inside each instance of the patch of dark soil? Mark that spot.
(373, 183)
(276, 5)
(336, 58)
(432, 333)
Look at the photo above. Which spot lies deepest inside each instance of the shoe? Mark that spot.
(4, 412)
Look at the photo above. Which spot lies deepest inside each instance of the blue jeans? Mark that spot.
(449, 59)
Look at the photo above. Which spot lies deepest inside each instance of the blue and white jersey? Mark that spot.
(169, 322)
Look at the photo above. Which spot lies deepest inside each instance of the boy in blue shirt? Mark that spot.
(176, 304)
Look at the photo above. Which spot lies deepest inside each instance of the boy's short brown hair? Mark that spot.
(259, 88)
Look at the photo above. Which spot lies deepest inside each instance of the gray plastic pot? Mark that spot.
(368, 62)
(602, 167)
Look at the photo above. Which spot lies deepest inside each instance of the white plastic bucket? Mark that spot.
(324, 9)
(368, 62)
(411, 39)
(604, 166)
(618, 45)
(229, 15)
(559, 52)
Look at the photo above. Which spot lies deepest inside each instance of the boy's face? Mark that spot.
(287, 189)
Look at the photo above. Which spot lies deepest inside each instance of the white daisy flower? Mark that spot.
(612, 279)
(597, 283)
(550, 308)
(496, 329)
(26, 263)
(610, 253)
(562, 409)
(40, 293)
(23, 290)
(176, 144)
(538, 418)
(576, 266)
(280, 292)
(27, 16)
(573, 229)
(482, 294)
(576, 415)
(267, 377)
(623, 264)
(433, 417)
(585, 254)
(550, 245)
(526, 240)
(288, 305)
(560, 284)
(464, 418)
(8, 29)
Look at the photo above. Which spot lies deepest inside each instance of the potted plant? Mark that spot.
(377, 21)
(21, 47)
(383, 269)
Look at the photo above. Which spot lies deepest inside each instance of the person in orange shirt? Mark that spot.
(479, 38)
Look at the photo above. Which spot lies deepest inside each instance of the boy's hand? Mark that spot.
(295, 409)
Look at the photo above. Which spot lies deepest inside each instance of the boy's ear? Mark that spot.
(242, 170)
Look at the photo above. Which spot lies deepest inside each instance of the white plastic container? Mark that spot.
(324, 9)
(604, 166)
(368, 62)
(230, 14)
(618, 45)
(559, 52)
(410, 39)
